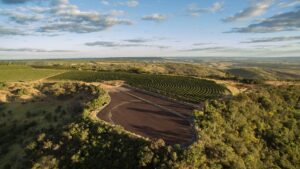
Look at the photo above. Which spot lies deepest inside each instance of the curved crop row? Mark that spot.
(178, 87)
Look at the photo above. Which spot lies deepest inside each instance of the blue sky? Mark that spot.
(117, 28)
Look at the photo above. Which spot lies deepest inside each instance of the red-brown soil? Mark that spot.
(149, 116)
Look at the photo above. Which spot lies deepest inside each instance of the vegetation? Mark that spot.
(255, 130)
(86, 144)
(260, 74)
(2, 85)
(248, 131)
(89, 143)
(248, 73)
(22, 118)
(12, 73)
(139, 66)
(182, 88)
(50, 125)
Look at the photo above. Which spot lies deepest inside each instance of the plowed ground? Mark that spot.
(149, 116)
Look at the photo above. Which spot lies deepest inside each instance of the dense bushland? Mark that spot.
(257, 129)
(29, 109)
(260, 129)
(86, 144)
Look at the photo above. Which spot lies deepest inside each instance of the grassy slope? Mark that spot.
(267, 73)
(252, 73)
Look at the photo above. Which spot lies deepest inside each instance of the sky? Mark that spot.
(37, 29)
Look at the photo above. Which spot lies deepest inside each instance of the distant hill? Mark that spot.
(264, 74)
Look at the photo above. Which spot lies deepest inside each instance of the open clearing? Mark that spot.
(149, 116)
(14, 73)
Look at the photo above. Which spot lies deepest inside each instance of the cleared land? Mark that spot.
(13, 73)
(149, 116)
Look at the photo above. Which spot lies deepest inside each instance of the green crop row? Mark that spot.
(178, 87)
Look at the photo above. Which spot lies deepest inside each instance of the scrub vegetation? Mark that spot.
(49, 115)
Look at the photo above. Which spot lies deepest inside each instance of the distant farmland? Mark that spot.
(265, 74)
(12, 73)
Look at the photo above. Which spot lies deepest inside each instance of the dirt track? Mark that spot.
(149, 116)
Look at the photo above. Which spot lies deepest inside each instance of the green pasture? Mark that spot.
(14, 73)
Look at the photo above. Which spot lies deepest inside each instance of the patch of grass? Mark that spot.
(13, 67)
(251, 73)
(24, 73)
(2, 85)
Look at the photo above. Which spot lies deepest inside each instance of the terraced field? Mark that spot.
(182, 88)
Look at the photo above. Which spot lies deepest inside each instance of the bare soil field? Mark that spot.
(149, 116)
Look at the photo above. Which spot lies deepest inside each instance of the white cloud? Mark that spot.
(254, 51)
(195, 10)
(116, 12)
(154, 17)
(137, 40)
(105, 2)
(256, 9)
(274, 39)
(290, 3)
(34, 50)
(133, 43)
(4, 31)
(61, 16)
(288, 21)
(69, 18)
(128, 3)
(60, 2)
(132, 3)
(21, 18)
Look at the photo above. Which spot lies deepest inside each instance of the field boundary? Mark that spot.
(48, 77)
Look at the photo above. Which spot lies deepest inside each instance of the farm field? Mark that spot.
(182, 88)
(149, 116)
(14, 73)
